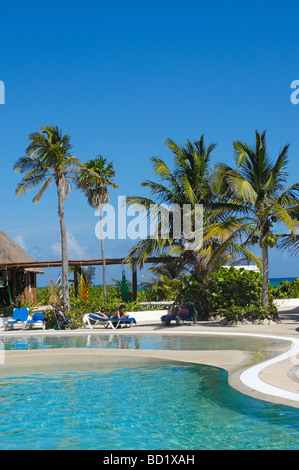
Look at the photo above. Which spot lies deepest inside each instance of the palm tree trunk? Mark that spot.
(65, 268)
(265, 288)
(103, 255)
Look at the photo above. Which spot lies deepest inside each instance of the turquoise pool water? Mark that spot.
(150, 407)
(139, 341)
(162, 406)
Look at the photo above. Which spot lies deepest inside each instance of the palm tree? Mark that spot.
(93, 179)
(168, 278)
(186, 184)
(259, 186)
(189, 183)
(48, 159)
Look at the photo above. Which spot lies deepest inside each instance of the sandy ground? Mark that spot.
(270, 374)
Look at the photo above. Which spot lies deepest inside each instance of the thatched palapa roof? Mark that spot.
(11, 252)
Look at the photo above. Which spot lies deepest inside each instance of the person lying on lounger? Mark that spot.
(120, 313)
(99, 315)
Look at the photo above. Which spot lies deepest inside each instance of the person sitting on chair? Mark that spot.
(176, 313)
(183, 310)
(180, 310)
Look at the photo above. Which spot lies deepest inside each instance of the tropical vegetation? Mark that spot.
(258, 184)
(286, 289)
(185, 186)
(242, 207)
(166, 280)
(234, 294)
(94, 179)
(48, 159)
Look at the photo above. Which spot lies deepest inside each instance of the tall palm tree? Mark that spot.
(259, 185)
(48, 158)
(94, 179)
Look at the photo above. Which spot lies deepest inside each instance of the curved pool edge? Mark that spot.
(244, 378)
(250, 377)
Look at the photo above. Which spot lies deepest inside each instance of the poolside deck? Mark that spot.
(276, 381)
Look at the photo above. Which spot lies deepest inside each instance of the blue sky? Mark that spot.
(120, 78)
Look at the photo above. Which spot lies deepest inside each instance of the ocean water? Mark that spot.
(277, 280)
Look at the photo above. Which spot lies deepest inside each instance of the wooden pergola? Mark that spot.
(89, 262)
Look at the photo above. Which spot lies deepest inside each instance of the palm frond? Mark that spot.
(290, 243)
(290, 196)
(164, 194)
(160, 168)
(283, 216)
(26, 184)
(43, 188)
(241, 187)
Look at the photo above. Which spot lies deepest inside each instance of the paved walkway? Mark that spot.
(270, 376)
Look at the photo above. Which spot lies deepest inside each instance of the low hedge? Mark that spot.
(229, 292)
(286, 290)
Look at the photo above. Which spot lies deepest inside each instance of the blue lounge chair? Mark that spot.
(37, 319)
(115, 322)
(92, 320)
(19, 317)
(180, 319)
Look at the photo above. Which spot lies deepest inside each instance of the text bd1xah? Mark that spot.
(150, 459)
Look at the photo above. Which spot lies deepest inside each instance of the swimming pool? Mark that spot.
(171, 342)
(165, 405)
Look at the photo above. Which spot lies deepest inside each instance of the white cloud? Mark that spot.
(19, 239)
(75, 250)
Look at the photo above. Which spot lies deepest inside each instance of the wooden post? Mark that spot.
(30, 287)
(76, 280)
(26, 292)
(13, 288)
(134, 282)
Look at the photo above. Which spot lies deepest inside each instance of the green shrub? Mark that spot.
(6, 311)
(42, 295)
(286, 290)
(50, 320)
(94, 303)
(228, 292)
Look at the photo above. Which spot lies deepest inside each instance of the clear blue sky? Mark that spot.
(121, 77)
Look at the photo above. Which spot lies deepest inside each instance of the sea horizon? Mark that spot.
(278, 280)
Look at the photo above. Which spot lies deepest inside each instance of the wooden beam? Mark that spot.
(86, 262)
